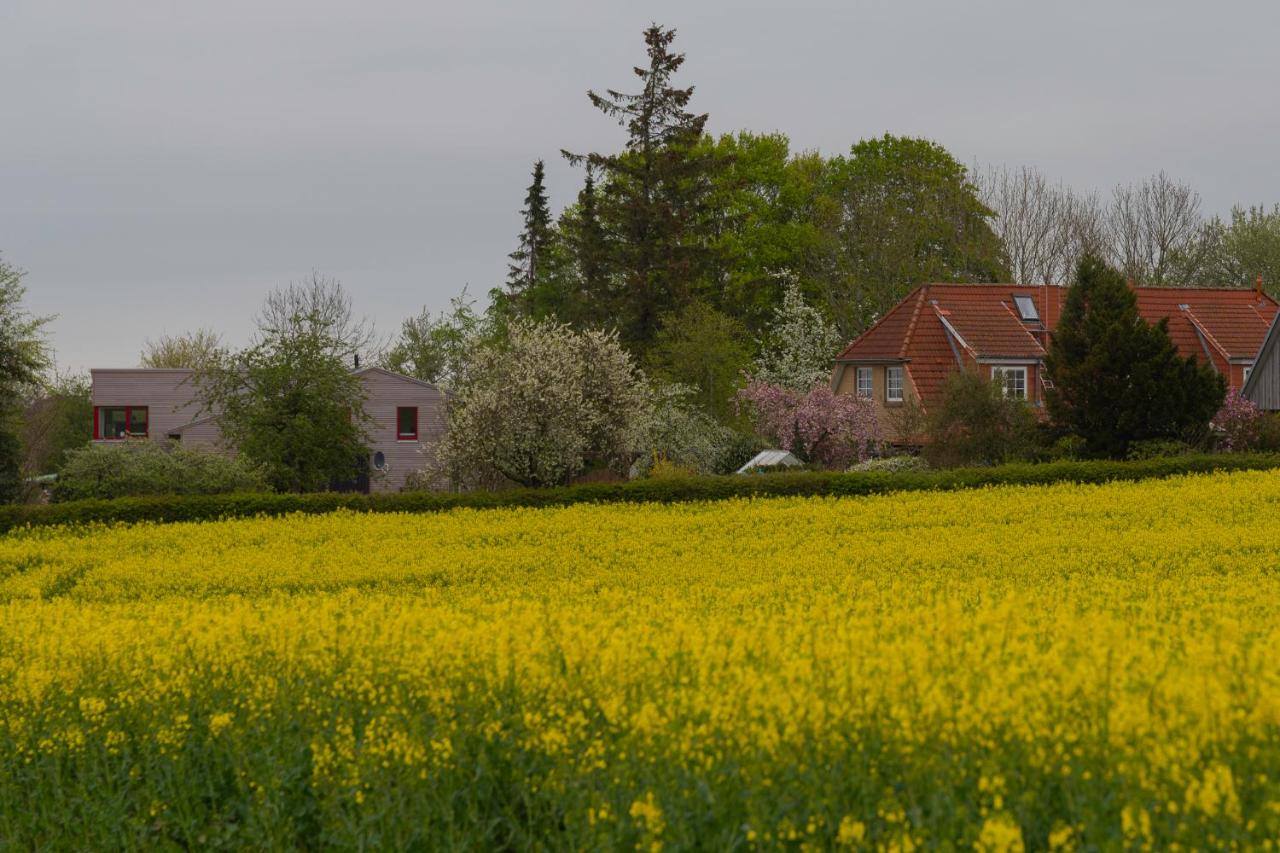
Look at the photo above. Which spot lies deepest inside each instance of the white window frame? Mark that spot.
(1000, 373)
(889, 373)
(864, 390)
(1248, 371)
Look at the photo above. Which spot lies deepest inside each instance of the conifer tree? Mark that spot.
(1117, 379)
(584, 289)
(655, 194)
(535, 237)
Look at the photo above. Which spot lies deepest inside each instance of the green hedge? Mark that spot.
(197, 508)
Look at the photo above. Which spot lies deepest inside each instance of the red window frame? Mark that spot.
(405, 436)
(128, 422)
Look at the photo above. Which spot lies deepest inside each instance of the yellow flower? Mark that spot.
(219, 722)
(1059, 636)
(649, 812)
(1000, 834)
(851, 831)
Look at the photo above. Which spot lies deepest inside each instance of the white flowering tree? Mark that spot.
(676, 429)
(540, 405)
(798, 350)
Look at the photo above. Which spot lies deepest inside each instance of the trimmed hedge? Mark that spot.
(805, 483)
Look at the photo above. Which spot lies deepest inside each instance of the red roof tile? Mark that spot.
(983, 318)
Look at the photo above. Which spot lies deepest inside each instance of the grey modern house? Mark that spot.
(161, 405)
(1262, 385)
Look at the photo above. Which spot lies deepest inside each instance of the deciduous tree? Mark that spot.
(909, 213)
(290, 402)
(1156, 231)
(24, 359)
(976, 423)
(56, 419)
(191, 350)
(434, 347)
(800, 346)
(540, 405)
(1245, 247)
(704, 350)
(1045, 228)
(821, 427)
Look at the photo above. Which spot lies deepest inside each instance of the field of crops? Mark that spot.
(1057, 667)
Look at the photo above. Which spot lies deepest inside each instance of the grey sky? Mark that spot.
(164, 164)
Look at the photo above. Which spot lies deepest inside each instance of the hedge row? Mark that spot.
(204, 507)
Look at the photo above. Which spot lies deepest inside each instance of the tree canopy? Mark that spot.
(191, 350)
(541, 404)
(290, 402)
(25, 357)
(1118, 379)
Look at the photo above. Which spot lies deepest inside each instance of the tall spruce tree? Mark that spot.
(1118, 379)
(535, 237)
(655, 195)
(584, 290)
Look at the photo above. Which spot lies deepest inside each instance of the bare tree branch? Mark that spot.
(321, 302)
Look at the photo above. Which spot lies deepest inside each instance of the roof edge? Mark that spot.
(373, 368)
(879, 320)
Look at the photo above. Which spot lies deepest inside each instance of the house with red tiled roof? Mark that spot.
(1003, 331)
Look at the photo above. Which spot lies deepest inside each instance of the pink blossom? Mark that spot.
(1241, 422)
(828, 429)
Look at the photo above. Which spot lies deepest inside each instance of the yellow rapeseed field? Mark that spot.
(1064, 667)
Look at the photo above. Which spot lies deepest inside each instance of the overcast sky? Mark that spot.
(162, 165)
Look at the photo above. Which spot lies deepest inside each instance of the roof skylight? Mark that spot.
(1026, 307)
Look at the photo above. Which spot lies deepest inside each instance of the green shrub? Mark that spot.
(10, 475)
(1157, 448)
(893, 464)
(976, 423)
(1067, 447)
(794, 483)
(132, 468)
(665, 469)
(1269, 434)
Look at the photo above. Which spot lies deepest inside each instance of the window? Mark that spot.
(1248, 369)
(407, 423)
(112, 422)
(893, 384)
(864, 381)
(1026, 307)
(1014, 380)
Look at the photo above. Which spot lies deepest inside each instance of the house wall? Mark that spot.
(168, 395)
(887, 413)
(203, 434)
(171, 403)
(1266, 383)
(1235, 376)
(384, 394)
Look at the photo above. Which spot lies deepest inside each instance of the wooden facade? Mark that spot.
(1263, 384)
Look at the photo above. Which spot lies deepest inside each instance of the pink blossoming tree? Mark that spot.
(827, 429)
(1241, 422)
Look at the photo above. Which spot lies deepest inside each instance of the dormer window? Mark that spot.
(1026, 308)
